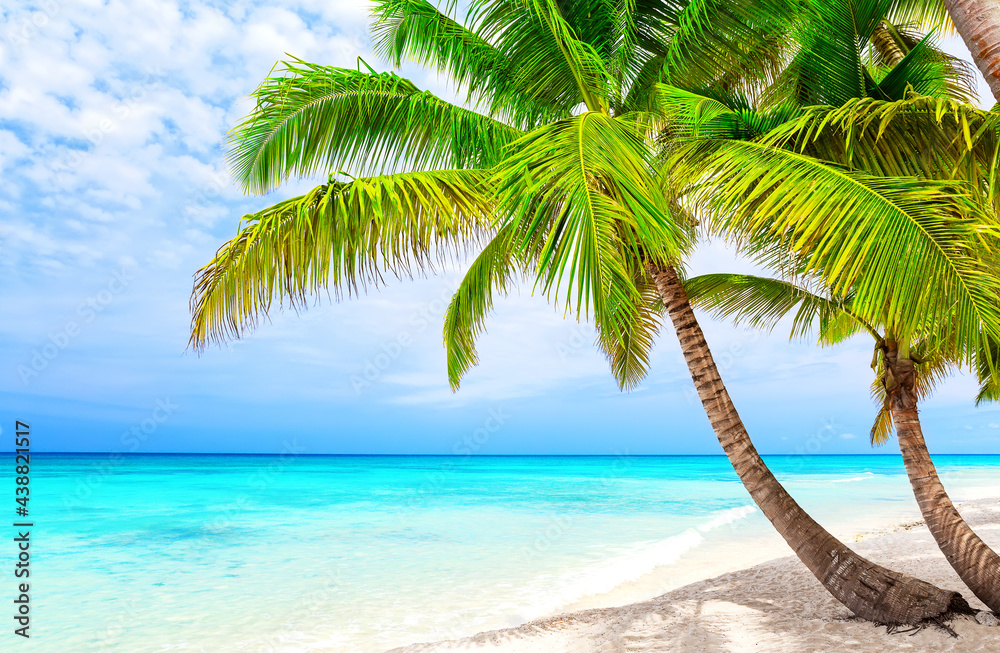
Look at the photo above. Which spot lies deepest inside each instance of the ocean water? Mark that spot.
(362, 553)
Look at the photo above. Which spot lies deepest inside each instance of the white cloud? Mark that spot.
(11, 149)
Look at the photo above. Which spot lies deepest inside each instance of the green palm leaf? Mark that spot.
(416, 30)
(628, 349)
(340, 235)
(829, 68)
(585, 188)
(488, 276)
(922, 71)
(924, 14)
(581, 58)
(927, 137)
(761, 303)
(876, 237)
(551, 64)
(583, 194)
(989, 385)
(316, 119)
(712, 41)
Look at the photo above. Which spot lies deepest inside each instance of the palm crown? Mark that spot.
(882, 190)
(554, 172)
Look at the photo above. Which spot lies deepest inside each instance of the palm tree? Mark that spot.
(555, 176)
(919, 276)
(898, 387)
(913, 351)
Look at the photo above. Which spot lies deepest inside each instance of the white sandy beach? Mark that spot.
(777, 607)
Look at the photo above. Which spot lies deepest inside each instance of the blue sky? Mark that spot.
(115, 191)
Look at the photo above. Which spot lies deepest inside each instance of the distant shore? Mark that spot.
(776, 606)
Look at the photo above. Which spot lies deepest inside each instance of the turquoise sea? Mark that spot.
(362, 553)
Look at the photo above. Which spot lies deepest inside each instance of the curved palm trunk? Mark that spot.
(976, 563)
(869, 590)
(978, 23)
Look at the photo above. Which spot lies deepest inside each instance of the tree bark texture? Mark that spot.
(870, 591)
(975, 562)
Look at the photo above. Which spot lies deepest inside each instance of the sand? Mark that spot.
(774, 607)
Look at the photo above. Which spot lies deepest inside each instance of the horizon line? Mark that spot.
(474, 455)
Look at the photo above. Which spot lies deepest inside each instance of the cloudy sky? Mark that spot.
(115, 191)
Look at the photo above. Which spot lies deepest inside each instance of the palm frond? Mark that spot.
(417, 31)
(850, 50)
(343, 236)
(487, 277)
(628, 349)
(935, 138)
(944, 75)
(581, 57)
(882, 427)
(925, 71)
(587, 189)
(720, 42)
(552, 65)
(828, 69)
(989, 380)
(584, 193)
(761, 303)
(311, 119)
(712, 113)
(926, 15)
(879, 238)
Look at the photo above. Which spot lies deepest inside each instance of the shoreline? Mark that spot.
(775, 606)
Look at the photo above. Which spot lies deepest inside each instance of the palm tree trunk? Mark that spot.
(976, 563)
(870, 591)
(978, 23)
(886, 45)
